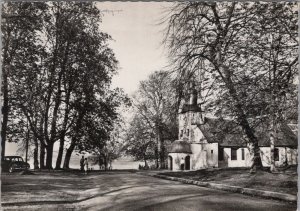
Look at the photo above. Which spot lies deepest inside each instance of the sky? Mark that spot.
(137, 37)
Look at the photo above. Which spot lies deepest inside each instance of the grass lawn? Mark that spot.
(283, 181)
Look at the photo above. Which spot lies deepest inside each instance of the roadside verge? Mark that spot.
(235, 189)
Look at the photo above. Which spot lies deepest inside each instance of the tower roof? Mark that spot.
(180, 146)
(188, 107)
(191, 105)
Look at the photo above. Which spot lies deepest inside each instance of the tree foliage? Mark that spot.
(19, 27)
(155, 117)
(60, 81)
(244, 56)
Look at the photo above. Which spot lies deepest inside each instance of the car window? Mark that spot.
(16, 159)
(8, 159)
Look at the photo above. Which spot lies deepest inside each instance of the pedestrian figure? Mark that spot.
(182, 164)
(82, 164)
(86, 165)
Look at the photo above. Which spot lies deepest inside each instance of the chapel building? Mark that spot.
(206, 142)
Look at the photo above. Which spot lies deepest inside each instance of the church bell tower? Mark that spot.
(190, 115)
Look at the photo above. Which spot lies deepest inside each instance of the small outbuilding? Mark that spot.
(179, 157)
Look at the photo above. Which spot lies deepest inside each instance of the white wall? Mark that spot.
(176, 157)
(198, 135)
(198, 157)
(212, 154)
(202, 156)
(292, 156)
(284, 153)
(238, 162)
(187, 121)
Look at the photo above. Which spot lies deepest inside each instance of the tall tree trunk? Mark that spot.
(273, 136)
(42, 155)
(60, 153)
(5, 110)
(6, 60)
(68, 154)
(163, 153)
(105, 162)
(242, 118)
(156, 155)
(49, 155)
(35, 154)
(160, 148)
(146, 164)
(226, 75)
(74, 140)
(62, 138)
(272, 139)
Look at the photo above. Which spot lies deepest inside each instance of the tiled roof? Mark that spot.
(228, 133)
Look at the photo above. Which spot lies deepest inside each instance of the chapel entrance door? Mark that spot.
(170, 163)
(187, 162)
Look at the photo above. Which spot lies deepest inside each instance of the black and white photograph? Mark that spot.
(149, 106)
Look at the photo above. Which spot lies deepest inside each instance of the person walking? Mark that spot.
(82, 164)
(86, 165)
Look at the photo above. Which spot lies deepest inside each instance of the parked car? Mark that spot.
(13, 163)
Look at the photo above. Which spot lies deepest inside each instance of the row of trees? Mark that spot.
(57, 70)
(243, 58)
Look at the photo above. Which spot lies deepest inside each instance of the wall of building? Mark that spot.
(176, 158)
(286, 156)
(292, 156)
(197, 135)
(238, 162)
(204, 155)
(187, 125)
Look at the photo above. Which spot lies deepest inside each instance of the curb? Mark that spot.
(235, 189)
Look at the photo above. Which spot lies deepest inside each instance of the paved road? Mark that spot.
(129, 191)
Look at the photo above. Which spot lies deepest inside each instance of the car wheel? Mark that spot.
(11, 169)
